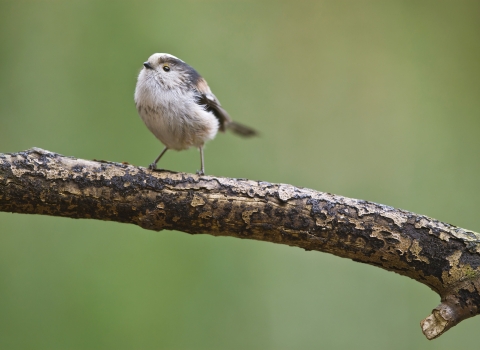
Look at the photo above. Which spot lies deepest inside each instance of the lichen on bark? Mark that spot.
(444, 257)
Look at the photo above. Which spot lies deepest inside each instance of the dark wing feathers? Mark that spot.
(211, 103)
(214, 107)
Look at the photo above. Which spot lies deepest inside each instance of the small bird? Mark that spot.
(178, 107)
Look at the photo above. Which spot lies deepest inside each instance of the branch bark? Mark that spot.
(444, 257)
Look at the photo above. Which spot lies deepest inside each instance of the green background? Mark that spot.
(377, 100)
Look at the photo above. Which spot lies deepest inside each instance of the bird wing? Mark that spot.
(209, 100)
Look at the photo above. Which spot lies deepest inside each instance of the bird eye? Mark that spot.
(166, 68)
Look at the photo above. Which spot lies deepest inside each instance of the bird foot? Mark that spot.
(200, 172)
(153, 167)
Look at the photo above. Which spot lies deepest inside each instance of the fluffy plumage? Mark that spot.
(178, 107)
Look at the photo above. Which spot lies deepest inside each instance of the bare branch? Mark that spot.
(444, 257)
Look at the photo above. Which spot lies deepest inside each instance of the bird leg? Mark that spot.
(201, 172)
(153, 166)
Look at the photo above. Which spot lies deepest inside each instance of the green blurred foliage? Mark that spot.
(376, 100)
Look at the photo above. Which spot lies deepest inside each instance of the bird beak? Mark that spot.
(147, 65)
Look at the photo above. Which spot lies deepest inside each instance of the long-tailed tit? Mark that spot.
(178, 107)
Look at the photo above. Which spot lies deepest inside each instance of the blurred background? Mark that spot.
(377, 100)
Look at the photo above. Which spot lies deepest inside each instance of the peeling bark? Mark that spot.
(444, 257)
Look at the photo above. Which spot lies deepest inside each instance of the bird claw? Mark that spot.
(200, 172)
(153, 167)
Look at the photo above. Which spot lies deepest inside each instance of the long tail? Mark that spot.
(241, 130)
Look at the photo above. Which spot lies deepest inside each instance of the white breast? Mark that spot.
(173, 115)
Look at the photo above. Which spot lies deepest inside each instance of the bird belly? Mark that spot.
(180, 128)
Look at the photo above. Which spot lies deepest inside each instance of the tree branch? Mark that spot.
(444, 257)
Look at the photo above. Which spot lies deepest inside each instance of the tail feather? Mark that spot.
(241, 130)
